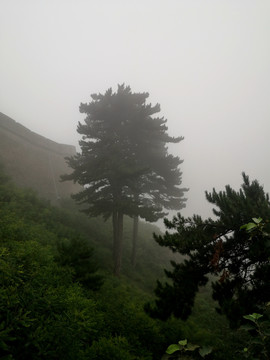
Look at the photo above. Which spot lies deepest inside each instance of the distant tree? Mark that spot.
(239, 264)
(124, 165)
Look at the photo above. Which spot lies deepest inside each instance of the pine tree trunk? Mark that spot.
(115, 232)
(117, 241)
(134, 240)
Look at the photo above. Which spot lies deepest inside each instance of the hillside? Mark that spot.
(52, 305)
(33, 161)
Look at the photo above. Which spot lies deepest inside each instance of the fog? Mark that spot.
(206, 63)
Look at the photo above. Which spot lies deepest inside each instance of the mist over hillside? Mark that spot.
(34, 161)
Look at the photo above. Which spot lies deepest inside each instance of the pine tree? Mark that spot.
(124, 164)
(238, 263)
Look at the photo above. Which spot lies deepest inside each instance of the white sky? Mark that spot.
(207, 62)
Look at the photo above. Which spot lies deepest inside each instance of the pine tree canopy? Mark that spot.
(124, 153)
(237, 263)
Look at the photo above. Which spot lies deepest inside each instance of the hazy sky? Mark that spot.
(206, 62)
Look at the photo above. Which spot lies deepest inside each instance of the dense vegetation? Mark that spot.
(55, 304)
(51, 303)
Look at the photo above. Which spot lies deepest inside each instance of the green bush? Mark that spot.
(43, 314)
(113, 348)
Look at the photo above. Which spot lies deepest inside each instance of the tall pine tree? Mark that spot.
(238, 262)
(124, 164)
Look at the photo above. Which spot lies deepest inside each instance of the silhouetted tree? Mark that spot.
(238, 262)
(124, 165)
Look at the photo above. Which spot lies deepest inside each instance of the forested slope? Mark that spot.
(58, 298)
(54, 303)
(50, 305)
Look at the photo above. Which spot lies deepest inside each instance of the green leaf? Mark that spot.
(205, 350)
(249, 317)
(250, 226)
(172, 348)
(257, 316)
(182, 342)
(257, 220)
(253, 317)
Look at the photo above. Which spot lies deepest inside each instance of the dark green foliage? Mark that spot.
(41, 310)
(51, 226)
(258, 328)
(76, 253)
(113, 348)
(45, 313)
(125, 318)
(219, 247)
